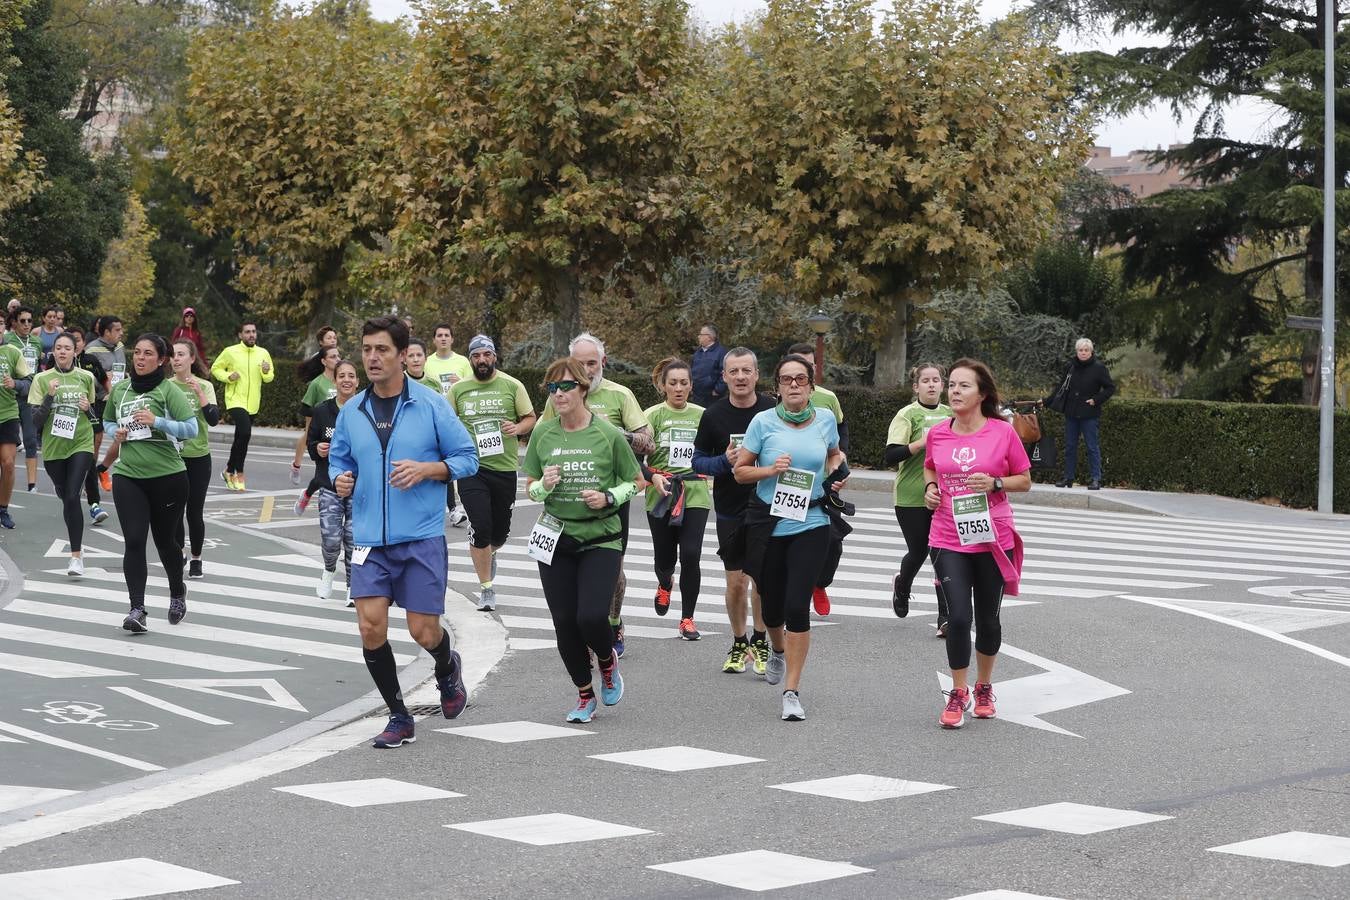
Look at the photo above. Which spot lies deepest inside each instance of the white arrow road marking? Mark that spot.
(61, 549)
(1024, 700)
(278, 695)
(41, 738)
(169, 707)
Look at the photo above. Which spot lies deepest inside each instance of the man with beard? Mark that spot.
(615, 404)
(497, 411)
(244, 368)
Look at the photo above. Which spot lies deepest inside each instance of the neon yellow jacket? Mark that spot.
(246, 390)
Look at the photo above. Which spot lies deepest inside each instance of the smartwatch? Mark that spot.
(609, 498)
(998, 484)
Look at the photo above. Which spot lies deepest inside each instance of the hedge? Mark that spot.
(1250, 451)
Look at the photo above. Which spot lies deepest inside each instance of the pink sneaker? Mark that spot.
(958, 701)
(984, 701)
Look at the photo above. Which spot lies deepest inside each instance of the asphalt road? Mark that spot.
(1180, 678)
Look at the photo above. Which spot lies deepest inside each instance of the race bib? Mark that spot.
(792, 494)
(30, 356)
(488, 435)
(447, 382)
(115, 376)
(737, 440)
(544, 539)
(680, 448)
(974, 525)
(63, 426)
(135, 430)
(359, 555)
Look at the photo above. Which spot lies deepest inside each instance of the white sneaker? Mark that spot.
(75, 568)
(458, 517)
(325, 588)
(295, 474)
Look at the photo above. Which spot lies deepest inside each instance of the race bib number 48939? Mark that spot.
(792, 494)
(488, 436)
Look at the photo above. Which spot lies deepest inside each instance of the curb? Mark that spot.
(272, 438)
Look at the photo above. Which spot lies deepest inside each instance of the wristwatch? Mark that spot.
(998, 484)
(609, 498)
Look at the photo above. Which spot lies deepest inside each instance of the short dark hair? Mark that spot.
(802, 348)
(795, 358)
(446, 325)
(15, 313)
(713, 328)
(396, 327)
(103, 323)
(244, 324)
(984, 381)
(55, 309)
(66, 334)
(419, 342)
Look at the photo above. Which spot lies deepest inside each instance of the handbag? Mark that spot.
(1044, 454)
(1027, 425)
(1060, 398)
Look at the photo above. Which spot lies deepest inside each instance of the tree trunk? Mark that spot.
(566, 311)
(892, 352)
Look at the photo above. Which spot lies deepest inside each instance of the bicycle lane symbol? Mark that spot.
(84, 712)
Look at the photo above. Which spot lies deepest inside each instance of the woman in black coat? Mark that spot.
(1083, 391)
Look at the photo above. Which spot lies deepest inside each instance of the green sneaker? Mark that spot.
(759, 655)
(737, 657)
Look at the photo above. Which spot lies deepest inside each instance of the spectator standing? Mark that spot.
(1083, 391)
(189, 330)
(706, 367)
(244, 368)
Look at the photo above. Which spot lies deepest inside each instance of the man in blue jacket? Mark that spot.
(705, 368)
(393, 448)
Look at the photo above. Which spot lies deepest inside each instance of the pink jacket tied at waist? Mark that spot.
(1009, 562)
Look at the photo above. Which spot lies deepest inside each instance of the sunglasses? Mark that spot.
(554, 386)
(789, 380)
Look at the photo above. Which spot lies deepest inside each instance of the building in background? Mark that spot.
(1136, 173)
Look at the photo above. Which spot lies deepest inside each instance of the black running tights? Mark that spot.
(151, 507)
(578, 588)
(199, 480)
(681, 543)
(67, 477)
(915, 523)
(243, 430)
(973, 587)
(792, 565)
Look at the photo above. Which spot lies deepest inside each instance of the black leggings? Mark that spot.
(972, 585)
(151, 506)
(680, 543)
(578, 588)
(199, 479)
(67, 477)
(243, 430)
(915, 524)
(792, 564)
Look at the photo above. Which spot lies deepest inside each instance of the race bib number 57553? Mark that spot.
(974, 525)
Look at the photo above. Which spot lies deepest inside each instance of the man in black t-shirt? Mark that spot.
(720, 433)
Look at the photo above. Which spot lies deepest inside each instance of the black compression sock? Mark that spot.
(384, 670)
(758, 636)
(442, 656)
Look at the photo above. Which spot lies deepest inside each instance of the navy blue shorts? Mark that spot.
(411, 574)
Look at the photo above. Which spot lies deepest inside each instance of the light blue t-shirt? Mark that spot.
(769, 437)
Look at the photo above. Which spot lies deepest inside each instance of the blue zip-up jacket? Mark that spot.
(425, 429)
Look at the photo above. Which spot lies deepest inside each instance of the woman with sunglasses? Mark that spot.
(787, 453)
(583, 471)
(188, 330)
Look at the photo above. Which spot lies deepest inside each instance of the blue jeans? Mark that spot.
(1088, 428)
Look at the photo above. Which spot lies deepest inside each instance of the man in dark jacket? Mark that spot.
(705, 369)
(1086, 387)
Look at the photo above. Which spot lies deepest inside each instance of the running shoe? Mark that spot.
(97, 514)
(737, 657)
(351, 604)
(227, 477)
(899, 601)
(584, 710)
(295, 473)
(777, 667)
(821, 601)
(487, 599)
(454, 697)
(135, 621)
(792, 707)
(759, 656)
(618, 640)
(75, 568)
(458, 517)
(239, 484)
(325, 588)
(954, 715)
(984, 701)
(6, 519)
(177, 609)
(398, 732)
(611, 683)
(301, 504)
(688, 631)
(662, 601)
(105, 480)
(195, 568)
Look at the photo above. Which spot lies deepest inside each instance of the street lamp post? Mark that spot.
(1328, 361)
(820, 324)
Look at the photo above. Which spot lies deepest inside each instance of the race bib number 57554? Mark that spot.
(792, 494)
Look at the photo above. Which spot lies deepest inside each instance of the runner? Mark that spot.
(677, 500)
(787, 531)
(64, 396)
(335, 513)
(497, 411)
(416, 365)
(13, 366)
(321, 387)
(716, 447)
(447, 367)
(90, 364)
(581, 469)
(108, 350)
(309, 370)
(615, 404)
(245, 368)
(971, 463)
(50, 330)
(196, 451)
(391, 448)
(150, 484)
(905, 442)
(21, 336)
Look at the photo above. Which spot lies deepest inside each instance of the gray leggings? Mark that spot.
(335, 530)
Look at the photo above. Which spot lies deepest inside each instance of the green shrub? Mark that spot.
(280, 404)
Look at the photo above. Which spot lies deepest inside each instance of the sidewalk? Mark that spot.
(1160, 503)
